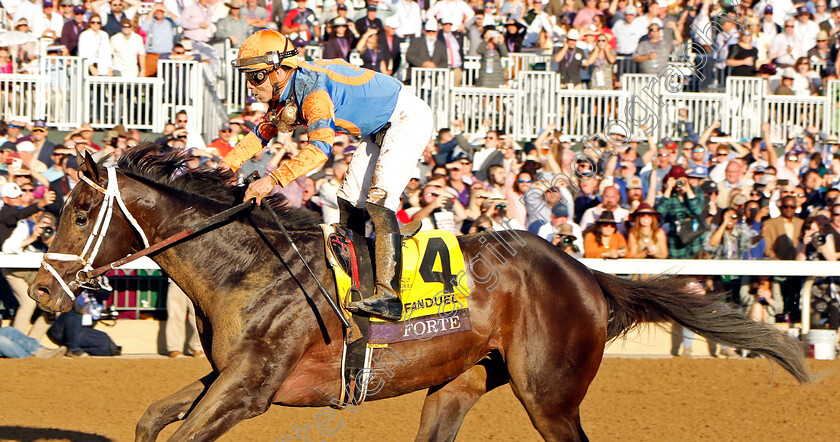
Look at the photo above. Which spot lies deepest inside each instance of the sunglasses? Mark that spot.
(95, 22)
(601, 40)
(484, 198)
(698, 150)
(180, 121)
(663, 154)
(793, 158)
(258, 77)
(524, 181)
(835, 214)
(227, 130)
(799, 195)
(28, 190)
(788, 207)
(131, 145)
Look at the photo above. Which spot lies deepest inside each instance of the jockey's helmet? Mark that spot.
(266, 49)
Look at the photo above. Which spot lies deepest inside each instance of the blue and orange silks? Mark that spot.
(336, 96)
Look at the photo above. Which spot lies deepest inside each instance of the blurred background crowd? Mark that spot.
(704, 195)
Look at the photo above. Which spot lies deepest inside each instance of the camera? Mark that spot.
(47, 232)
(501, 206)
(763, 301)
(679, 184)
(818, 239)
(567, 241)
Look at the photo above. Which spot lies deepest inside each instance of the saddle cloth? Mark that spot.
(434, 294)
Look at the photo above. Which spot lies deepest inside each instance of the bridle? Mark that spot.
(97, 235)
(89, 276)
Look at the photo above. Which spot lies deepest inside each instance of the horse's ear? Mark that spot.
(87, 165)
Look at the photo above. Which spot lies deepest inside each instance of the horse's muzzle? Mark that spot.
(47, 303)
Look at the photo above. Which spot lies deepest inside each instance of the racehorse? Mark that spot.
(271, 340)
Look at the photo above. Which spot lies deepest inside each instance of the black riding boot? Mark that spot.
(385, 302)
(351, 216)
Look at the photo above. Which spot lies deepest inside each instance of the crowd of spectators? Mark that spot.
(793, 45)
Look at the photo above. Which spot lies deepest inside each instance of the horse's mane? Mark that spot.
(168, 171)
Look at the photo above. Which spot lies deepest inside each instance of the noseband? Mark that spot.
(97, 235)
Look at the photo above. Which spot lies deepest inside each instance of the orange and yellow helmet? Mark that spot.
(266, 49)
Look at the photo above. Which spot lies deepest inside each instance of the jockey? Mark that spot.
(329, 95)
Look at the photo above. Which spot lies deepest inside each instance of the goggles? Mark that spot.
(258, 77)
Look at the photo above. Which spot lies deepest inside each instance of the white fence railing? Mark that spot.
(112, 101)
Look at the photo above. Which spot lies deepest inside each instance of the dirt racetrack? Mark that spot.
(99, 399)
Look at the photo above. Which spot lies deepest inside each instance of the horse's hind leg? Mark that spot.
(170, 409)
(447, 404)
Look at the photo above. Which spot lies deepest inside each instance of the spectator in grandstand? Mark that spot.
(734, 182)
(95, 47)
(439, 209)
(454, 41)
(743, 57)
(11, 214)
(411, 22)
(514, 35)
(7, 63)
(180, 322)
(340, 42)
(33, 234)
(627, 32)
(786, 47)
(833, 228)
(782, 234)
(160, 28)
(570, 61)
(61, 187)
(654, 53)
(538, 22)
(26, 152)
(603, 241)
(66, 10)
(222, 145)
(50, 22)
(823, 53)
(197, 22)
(389, 44)
(369, 20)
(457, 12)
(14, 344)
(816, 245)
(806, 29)
(301, 25)
(16, 126)
(646, 239)
(234, 26)
(475, 30)
(129, 54)
(586, 16)
(805, 81)
(610, 197)
(427, 51)
(602, 60)
(112, 20)
(257, 17)
(566, 239)
(338, 8)
(681, 208)
(732, 238)
(27, 10)
(786, 85)
(43, 146)
(491, 50)
(26, 53)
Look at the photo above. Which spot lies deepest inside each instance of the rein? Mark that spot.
(88, 274)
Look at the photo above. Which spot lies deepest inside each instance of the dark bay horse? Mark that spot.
(272, 339)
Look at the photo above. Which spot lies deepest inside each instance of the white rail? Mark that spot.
(474, 105)
(792, 114)
(111, 101)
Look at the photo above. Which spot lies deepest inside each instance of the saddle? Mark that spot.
(434, 291)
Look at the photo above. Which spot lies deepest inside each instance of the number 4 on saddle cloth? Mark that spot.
(434, 292)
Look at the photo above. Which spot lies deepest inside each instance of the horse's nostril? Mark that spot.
(42, 292)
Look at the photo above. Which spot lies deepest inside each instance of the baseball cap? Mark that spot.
(676, 172)
(10, 190)
(78, 9)
(768, 10)
(573, 35)
(341, 7)
(371, 7)
(698, 172)
(630, 10)
(559, 210)
(431, 25)
(39, 124)
(48, 4)
(634, 182)
(25, 146)
(565, 139)
(709, 187)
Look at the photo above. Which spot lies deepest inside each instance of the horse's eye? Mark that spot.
(81, 219)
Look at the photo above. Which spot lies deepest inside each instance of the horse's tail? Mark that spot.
(632, 302)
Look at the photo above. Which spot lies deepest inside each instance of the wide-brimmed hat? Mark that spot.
(607, 217)
(645, 209)
(234, 4)
(566, 230)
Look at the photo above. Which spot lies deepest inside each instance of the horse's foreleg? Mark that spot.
(170, 409)
(447, 404)
(240, 392)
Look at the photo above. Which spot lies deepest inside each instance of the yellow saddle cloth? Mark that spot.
(433, 285)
